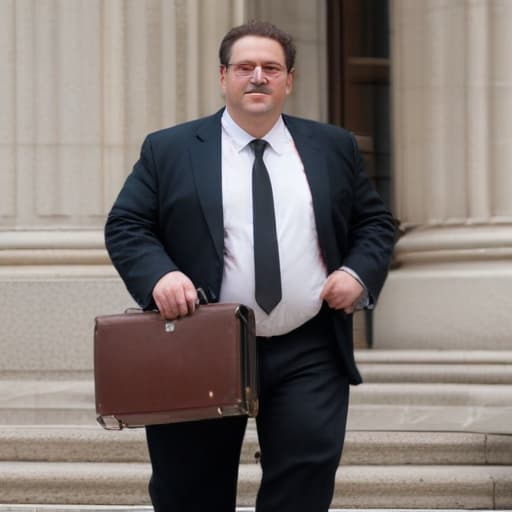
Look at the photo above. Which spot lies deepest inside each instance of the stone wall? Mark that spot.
(83, 81)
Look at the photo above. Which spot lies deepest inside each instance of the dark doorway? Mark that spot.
(359, 69)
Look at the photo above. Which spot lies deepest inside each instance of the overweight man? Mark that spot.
(275, 212)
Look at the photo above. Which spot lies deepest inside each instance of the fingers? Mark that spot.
(175, 295)
(341, 291)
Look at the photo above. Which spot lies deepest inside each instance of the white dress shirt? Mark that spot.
(303, 272)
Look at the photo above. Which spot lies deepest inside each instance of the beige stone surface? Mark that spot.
(48, 324)
(455, 307)
(74, 508)
(48, 399)
(452, 153)
(394, 487)
(140, 508)
(450, 104)
(435, 407)
(499, 449)
(503, 490)
(48, 393)
(401, 487)
(429, 418)
(73, 443)
(38, 416)
(434, 394)
(452, 480)
(414, 486)
(438, 373)
(91, 483)
(448, 358)
(436, 448)
(76, 108)
(42, 398)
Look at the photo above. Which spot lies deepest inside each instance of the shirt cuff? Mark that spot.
(365, 300)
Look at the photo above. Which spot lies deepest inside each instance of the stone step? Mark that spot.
(47, 398)
(436, 366)
(377, 356)
(437, 373)
(485, 408)
(432, 407)
(404, 390)
(93, 444)
(432, 394)
(141, 508)
(404, 486)
(78, 396)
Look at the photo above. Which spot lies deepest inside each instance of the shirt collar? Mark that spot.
(277, 138)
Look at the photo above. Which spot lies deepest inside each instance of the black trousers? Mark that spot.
(304, 396)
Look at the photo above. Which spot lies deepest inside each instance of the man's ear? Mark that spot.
(222, 77)
(289, 81)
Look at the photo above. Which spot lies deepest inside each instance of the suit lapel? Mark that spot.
(205, 154)
(317, 175)
(206, 158)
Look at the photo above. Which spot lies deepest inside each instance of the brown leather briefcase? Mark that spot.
(151, 371)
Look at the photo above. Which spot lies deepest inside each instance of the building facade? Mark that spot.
(84, 80)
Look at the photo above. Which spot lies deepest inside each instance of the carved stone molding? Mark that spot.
(455, 244)
(49, 248)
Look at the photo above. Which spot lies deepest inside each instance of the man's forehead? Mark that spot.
(257, 46)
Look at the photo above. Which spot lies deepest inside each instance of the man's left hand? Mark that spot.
(341, 291)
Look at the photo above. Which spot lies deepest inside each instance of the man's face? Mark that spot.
(262, 92)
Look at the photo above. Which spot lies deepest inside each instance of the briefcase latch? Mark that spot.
(170, 326)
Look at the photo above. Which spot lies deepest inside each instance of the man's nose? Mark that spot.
(257, 75)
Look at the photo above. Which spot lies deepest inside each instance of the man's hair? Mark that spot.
(260, 29)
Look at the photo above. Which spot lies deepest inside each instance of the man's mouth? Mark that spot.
(262, 90)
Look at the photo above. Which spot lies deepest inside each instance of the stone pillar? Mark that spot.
(82, 82)
(452, 105)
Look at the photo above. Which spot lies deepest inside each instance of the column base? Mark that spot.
(451, 290)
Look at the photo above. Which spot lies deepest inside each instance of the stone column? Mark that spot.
(82, 82)
(452, 106)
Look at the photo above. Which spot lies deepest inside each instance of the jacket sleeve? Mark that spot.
(371, 230)
(131, 231)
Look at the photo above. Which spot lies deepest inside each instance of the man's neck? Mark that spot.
(255, 125)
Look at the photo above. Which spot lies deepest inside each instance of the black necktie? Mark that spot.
(266, 252)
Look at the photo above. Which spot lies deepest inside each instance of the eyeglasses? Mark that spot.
(246, 69)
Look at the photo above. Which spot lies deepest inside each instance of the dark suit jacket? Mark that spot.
(168, 216)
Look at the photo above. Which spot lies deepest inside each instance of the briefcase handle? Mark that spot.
(202, 299)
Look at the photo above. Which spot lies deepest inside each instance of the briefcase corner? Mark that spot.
(110, 422)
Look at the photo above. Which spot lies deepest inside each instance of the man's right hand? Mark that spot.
(175, 295)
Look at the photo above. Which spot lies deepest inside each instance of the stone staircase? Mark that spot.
(429, 430)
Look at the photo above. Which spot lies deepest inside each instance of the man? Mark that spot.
(184, 219)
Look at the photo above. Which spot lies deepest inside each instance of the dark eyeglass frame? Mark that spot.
(246, 69)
